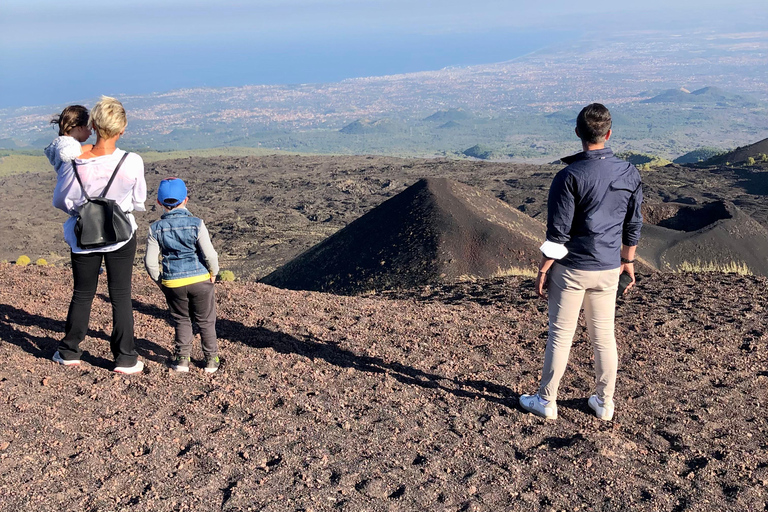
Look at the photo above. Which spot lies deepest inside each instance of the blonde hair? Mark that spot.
(108, 117)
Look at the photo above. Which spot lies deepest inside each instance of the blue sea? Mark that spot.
(71, 73)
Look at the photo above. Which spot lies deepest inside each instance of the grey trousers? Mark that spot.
(193, 303)
(569, 290)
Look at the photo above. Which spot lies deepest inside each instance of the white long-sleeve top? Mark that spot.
(129, 190)
(63, 149)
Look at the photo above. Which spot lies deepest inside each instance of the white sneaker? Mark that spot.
(535, 405)
(128, 370)
(66, 362)
(603, 410)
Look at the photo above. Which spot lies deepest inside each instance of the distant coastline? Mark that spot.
(145, 68)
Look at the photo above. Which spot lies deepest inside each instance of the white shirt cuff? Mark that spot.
(553, 250)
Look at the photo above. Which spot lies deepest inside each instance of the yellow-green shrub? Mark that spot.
(40, 262)
(226, 275)
(23, 260)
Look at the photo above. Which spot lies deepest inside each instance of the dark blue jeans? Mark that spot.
(85, 271)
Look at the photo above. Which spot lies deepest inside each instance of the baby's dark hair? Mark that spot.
(70, 118)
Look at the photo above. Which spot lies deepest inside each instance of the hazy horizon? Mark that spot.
(139, 47)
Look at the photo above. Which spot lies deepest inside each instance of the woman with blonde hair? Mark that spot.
(88, 176)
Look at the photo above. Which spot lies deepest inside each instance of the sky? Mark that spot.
(54, 52)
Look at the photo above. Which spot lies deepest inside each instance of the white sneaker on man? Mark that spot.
(603, 410)
(129, 370)
(538, 406)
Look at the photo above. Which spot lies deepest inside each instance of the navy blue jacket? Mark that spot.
(594, 208)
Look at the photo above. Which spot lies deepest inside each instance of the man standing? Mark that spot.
(593, 227)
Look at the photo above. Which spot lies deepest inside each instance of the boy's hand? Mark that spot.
(213, 278)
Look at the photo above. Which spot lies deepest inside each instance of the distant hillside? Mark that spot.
(8, 143)
(449, 125)
(705, 95)
(738, 155)
(698, 155)
(444, 116)
(367, 126)
(482, 152)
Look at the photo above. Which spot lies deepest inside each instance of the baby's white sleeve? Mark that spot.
(69, 149)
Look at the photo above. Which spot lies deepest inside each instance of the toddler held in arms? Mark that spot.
(73, 130)
(189, 269)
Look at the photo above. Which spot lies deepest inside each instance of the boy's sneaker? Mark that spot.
(538, 406)
(66, 362)
(603, 410)
(129, 370)
(180, 363)
(211, 364)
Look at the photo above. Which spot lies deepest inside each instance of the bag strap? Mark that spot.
(109, 183)
(77, 175)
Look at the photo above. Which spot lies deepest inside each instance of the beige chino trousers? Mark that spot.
(569, 290)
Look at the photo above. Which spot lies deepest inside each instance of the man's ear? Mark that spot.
(608, 135)
(577, 132)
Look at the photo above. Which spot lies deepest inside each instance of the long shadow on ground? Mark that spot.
(45, 346)
(260, 337)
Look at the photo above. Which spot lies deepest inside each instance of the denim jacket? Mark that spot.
(183, 241)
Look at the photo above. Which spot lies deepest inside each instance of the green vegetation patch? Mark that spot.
(19, 163)
(643, 161)
(698, 155)
(226, 275)
(150, 156)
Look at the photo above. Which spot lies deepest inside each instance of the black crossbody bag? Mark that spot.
(101, 221)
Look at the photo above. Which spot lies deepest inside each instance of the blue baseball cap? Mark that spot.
(171, 192)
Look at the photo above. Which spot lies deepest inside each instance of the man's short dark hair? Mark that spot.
(593, 123)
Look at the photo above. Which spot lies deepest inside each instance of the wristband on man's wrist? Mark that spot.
(625, 260)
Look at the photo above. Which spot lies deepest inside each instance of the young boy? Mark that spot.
(190, 265)
(73, 130)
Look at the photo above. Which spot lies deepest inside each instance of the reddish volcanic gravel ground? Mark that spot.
(402, 401)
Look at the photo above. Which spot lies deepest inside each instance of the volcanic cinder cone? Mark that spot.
(756, 151)
(717, 235)
(436, 230)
